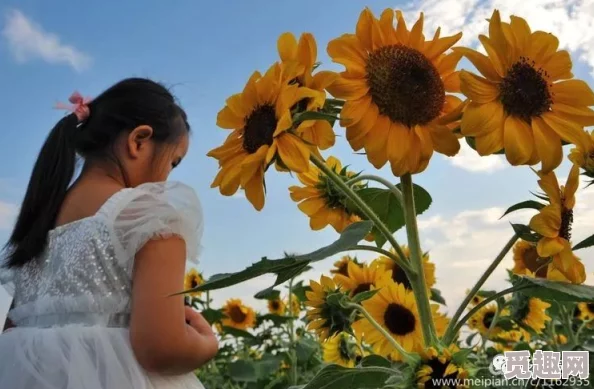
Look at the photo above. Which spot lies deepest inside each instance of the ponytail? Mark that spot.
(50, 179)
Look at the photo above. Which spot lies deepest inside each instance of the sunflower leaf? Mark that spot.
(299, 290)
(212, 315)
(338, 377)
(525, 233)
(313, 115)
(268, 294)
(375, 360)
(237, 333)
(554, 290)
(529, 204)
(588, 242)
(305, 348)
(460, 357)
(364, 296)
(437, 297)
(387, 207)
(243, 371)
(470, 338)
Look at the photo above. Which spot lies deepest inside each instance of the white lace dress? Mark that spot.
(72, 305)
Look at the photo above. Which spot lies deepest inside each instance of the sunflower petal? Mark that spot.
(477, 89)
(444, 140)
(547, 222)
(386, 24)
(307, 50)
(451, 82)
(543, 46)
(293, 152)
(522, 33)
(573, 92)
(363, 29)
(354, 110)
(547, 144)
(347, 50)
(491, 142)
(547, 247)
(480, 61)
(416, 37)
(573, 182)
(566, 129)
(348, 89)
(517, 140)
(581, 115)
(441, 45)
(481, 119)
(558, 67)
(376, 142)
(226, 118)
(254, 190)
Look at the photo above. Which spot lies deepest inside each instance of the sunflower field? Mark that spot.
(400, 98)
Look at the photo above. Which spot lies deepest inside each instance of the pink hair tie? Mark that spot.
(79, 107)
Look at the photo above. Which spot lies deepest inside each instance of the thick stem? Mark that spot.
(292, 335)
(416, 258)
(406, 356)
(449, 334)
(381, 180)
(401, 264)
(569, 325)
(365, 209)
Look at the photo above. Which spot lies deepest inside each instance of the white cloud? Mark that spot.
(28, 41)
(469, 159)
(7, 214)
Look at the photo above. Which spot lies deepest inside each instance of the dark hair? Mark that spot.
(126, 105)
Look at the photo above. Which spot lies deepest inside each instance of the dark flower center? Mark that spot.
(520, 307)
(534, 263)
(399, 277)
(525, 90)
(361, 288)
(259, 128)
(590, 307)
(399, 320)
(237, 314)
(566, 221)
(437, 375)
(488, 319)
(343, 269)
(194, 282)
(275, 305)
(404, 85)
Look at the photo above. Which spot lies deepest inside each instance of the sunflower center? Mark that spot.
(590, 307)
(524, 90)
(399, 277)
(399, 320)
(520, 307)
(259, 128)
(237, 314)
(534, 263)
(404, 85)
(566, 221)
(194, 283)
(438, 374)
(488, 319)
(343, 269)
(361, 288)
(275, 305)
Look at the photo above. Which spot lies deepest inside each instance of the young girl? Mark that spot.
(93, 265)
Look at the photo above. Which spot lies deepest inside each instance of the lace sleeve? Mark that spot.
(157, 211)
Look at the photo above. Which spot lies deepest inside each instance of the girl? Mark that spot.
(93, 264)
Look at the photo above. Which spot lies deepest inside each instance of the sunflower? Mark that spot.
(476, 299)
(276, 307)
(299, 60)
(436, 366)
(521, 105)
(530, 311)
(395, 85)
(553, 223)
(395, 309)
(527, 262)
(583, 154)
(482, 320)
(193, 279)
(342, 265)
(361, 278)
(586, 311)
(398, 274)
(260, 118)
(238, 315)
(321, 200)
(340, 350)
(324, 319)
(560, 339)
(295, 305)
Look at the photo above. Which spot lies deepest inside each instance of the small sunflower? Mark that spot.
(260, 118)
(255, 354)
(361, 278)
(527, 262)
(560, 339)
(583, 154)
(321, 200)
(553, 223)
(238, 315)
(398, 274)
(341, 350)
(436, 367)
(276, 307)
(586, 311)
(476, 299)
(527, 103)
(295, 305)
(395, 85)
(395, 309)
(530, 311)
(482, 320)
(193, 279)
(342, 266)
(324, 319)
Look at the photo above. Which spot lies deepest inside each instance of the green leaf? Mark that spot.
(364, 295)
(554, 290)
(269, 294)
(313, 115)
(460, 357)
(470, 338)
(387, 207)
(243, 371)
(276, 319)
(305, 348)
(375, 360)
(530, 204)
(237, 333)
(338, 377)
(267, 366)
(437, 297)
(522, 346)
(212, 315)
(299, 290)
(525, 233)
(486, 293)
(588, 242)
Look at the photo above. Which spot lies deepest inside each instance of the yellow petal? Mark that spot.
(547, 247)
(348, 89)
(287, 47)
(386, 24)
(284, 124)
(293, 153)
(226, 118)
(566, 129)
(543, 46)
(446, 64)
(375, 146)
(416, 37)
(517, 140)
(299, 193)
(573, 181)
(496, 60)
(357, 132)
(254, 190)
(401, 31)
(439, 46)
(497, 38)
(547, 222)
(398, 142)
(481, 63)
(490, 143)
(311, 206)
(363, 29)
(250, 93)
(581, 115)
(347, 50)
(572, 92)
(354, 110)
(547, 144)
(481, 119)
(322, 80)
(444, 140)
(307, 50)
(522, 33)
(451, 82)
(478, 89)
(558, 66)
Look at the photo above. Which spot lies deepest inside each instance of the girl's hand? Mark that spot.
(198, 322)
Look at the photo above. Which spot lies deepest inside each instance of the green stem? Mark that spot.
(568, 322)
(365, 209)
(381, 180)
(401, 264)
(491, 327)
(449, 334)
(208, 299)
(405, 354)
(292, 336)
(417, 281)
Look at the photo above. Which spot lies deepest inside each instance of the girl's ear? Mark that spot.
(138, 140)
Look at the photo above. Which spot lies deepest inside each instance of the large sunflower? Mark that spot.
(395, 86)
(527, 262)
(554, 221)
(276, 306)
(398, 274)
(395, 309)
(361, 278)
(238, 315)
(521, 105)
(436, 367)
(193, 279)
(342, 265)
(530, 311)
(260, 118)
(321, 200)
(323, 318)
(341, 350)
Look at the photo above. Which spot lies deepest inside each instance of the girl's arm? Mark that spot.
(9, 324)
(160, 337)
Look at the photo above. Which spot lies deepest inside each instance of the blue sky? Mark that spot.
(206, 51)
